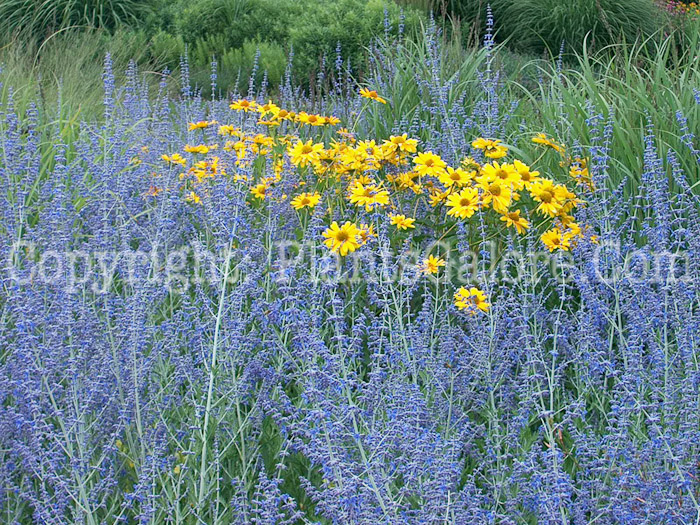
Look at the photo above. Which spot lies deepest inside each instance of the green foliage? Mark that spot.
(39, 19)
(542, 25)
(231, 30)
(351, 23)
(68, 65)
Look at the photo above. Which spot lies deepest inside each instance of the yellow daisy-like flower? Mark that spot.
(311, 120)
(406, 180)
(554, 240)
(542, 139)
(372, 95)
(267, 108)
(468, 163)
(579, 172)
(505, 173)
(495, 193)
(202, 124)
(227, 129)
(513, 219)
(436, 197)
(550, 196)
(368, 196)
(429, 164)
(527, 176)
(402, 222)
(259, 191)
(492, 148)
(244, 105)
(269, 123)
(402, 143)
(457, 177)
(305, 200)
(366, 233)
(283, 114)
(432, 264)
(175, 158)
(471, 300)
(153, 191)
(463, 204)
(349, 136)
(202, 149)
(193, 197)
(304, 153)
(342, 239)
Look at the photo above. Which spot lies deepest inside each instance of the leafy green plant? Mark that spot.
(228, 30)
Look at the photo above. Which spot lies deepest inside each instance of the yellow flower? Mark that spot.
(244, 105)
(579, 171)
(306, 200)
(471, 300)
(468, 163)
(304, 153)
(495, 193)
(312, 120)
(514, 219)
(550, 196)
(366, 233)
(368, 196)
(283, 114)
(175, 158)
(229, 130)
(259, 191)
(269, 123)
(505, 173)
(268, 108)
(402, 222)
(436, 197)
(202, 149)
(405, 180)
(457, 177)
(573, 232)
(193, 197)
(432, 264)
(463, 204)
(342, 239)
(153, 191)
(492, 148)
(554, 240)
(343, 132)
(527, 177)
(427, 164)
(372, 95)
(201, 124)
(402, 143)
(541, 138)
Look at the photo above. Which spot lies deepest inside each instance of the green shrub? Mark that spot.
(272, 60)
(231, 30)
(318, 28)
